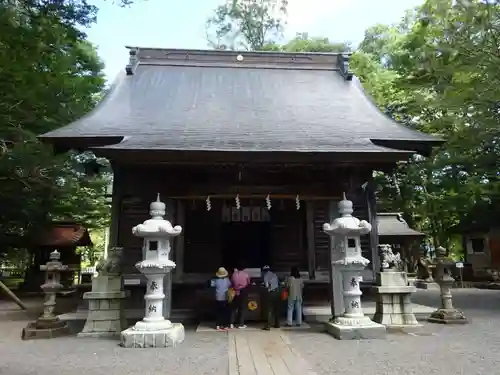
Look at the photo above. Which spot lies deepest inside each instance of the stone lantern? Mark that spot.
(48, 325)
(154, 330)
(346, 231)
(447, 314)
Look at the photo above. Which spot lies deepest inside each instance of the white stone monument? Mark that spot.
(154, 331)
(394, 307)
(346, 231)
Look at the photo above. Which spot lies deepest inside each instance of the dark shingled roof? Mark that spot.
(216, 101)
(393, 224)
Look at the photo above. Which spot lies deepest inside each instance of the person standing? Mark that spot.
(273, 300)
(240, 281)
(295, 291)
(221, 285)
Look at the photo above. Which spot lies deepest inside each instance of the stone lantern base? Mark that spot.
(355, 329)
(140, 336)
(45, 328)
(448, 316)
(106, 317)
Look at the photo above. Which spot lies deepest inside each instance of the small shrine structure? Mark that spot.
(154, 330)
(394, 230)
(256, 158)
(347, 262)
(63, 236)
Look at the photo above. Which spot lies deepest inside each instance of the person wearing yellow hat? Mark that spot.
(221, 285)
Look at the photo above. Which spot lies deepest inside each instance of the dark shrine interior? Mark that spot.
(245, 244)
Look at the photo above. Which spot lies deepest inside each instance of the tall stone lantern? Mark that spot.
(346, 232)
(154, 330)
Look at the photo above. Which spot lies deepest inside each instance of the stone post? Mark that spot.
(48, 325)
(106, 316)
(447, 314)
(346, 232)
(154, 330)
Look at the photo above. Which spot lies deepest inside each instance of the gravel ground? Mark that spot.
(472, 349)
(199, 354)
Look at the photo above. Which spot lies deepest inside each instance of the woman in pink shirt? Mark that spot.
(240, 281)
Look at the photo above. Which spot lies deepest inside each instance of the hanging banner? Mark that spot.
(235, 214)
(245, 214)
(256, 216)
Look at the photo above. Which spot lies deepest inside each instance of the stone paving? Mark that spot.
(446, 350)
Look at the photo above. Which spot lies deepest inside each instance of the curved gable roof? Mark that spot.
(213, 101)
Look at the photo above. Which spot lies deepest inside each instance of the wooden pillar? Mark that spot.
(116, 200)
(335, 276)
(311, 253)
(167, 281)
(372, 217)
(179, 241)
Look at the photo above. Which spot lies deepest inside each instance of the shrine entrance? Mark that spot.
(245, 236)
(246, 244)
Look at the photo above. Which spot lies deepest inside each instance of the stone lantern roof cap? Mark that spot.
(157, 205)
(345, 206)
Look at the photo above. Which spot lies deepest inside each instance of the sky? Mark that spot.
(181, 23)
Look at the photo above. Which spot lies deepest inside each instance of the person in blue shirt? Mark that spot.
(273, 300)
(221, 285)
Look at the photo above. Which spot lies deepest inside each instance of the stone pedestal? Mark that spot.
(447, 314)
(48, 325)
(394, 307)
(157, 338)
(346, 231)
(106, 316)
(154, 331)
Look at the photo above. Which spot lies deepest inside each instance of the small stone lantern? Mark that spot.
(447, 314)
(154, 330)
(48, 325)
(346, 232)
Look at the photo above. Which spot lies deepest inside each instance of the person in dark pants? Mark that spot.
(240, 281)
(221, 285)
(273, 298)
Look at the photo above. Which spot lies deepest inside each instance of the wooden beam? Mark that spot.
(311, 253)
(372, 217)
(255, 196)
(179, 241)
(116, 198)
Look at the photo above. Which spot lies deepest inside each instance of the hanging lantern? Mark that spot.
(297, 202)
(237, 201)
(268, 202)
(209, 203)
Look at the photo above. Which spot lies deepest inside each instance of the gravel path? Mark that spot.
(200, 353)
(472, 349)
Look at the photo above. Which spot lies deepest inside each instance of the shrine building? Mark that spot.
(251, 151)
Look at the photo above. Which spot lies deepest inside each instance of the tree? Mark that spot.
(442, 63)
(247, 24)
(50, 75)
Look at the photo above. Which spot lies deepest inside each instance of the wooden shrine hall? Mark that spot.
(251, 151)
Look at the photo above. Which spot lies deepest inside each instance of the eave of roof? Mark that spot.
(194, 100)
(392, 224)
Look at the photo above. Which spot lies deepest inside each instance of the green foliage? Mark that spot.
(247, 24)
(441, 64)
(50, 75)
